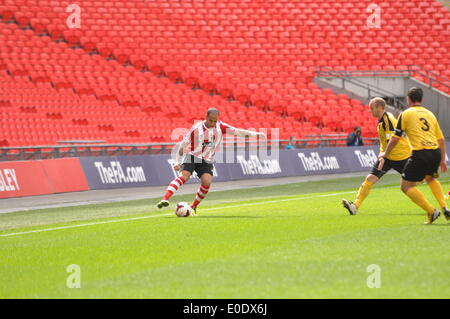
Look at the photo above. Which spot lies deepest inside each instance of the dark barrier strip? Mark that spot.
(39, 177)
(151, 170)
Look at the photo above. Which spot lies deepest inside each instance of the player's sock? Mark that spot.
(202, 191)
(363, 192)
(419, 199)
(173, 187)
(436, 188)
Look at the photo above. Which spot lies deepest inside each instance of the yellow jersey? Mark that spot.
(386, 128)
(421, 127)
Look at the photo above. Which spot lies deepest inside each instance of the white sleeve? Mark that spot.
(244, 133)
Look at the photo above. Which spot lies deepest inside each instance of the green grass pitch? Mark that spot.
(284, 241)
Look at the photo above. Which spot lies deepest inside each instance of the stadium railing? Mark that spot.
(372, 91)
(429, 77)
(432, 77)
(81, 148)
(412, 69)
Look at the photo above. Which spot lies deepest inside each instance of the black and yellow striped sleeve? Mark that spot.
(400, 128)
(390, 124)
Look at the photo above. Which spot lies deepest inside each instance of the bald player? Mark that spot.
(196, 153)
(396, 160)
(428, 144)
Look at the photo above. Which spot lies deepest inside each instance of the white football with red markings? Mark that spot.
(183, 209)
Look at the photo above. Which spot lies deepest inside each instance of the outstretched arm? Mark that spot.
(244, 133)
(228, 129)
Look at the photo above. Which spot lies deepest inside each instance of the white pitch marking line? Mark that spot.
(207, 209)
(277, 201)
(81, 225)
(154, 216)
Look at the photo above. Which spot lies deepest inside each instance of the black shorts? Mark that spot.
(192, 163)
(388, 164)
(422, 163)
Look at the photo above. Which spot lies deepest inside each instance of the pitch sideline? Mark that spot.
(162, 215)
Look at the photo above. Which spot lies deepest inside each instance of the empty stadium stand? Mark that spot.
(135, 70)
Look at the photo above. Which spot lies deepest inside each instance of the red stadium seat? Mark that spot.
(159, 54)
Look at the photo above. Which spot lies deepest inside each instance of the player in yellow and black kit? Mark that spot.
(428, 144)
(396, 160)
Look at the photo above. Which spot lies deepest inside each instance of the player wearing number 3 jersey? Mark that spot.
(428, 144)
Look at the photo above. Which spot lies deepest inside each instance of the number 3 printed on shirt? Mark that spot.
(426, 126)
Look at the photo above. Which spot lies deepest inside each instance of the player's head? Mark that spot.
(212, 116)
(415, 96)
(292, 139)
(357, 130)
(377, 106)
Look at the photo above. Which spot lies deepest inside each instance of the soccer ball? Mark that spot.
(183, 209)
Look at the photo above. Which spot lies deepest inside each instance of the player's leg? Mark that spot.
(414, 173)
(374, 176)
(175, 186)
(205, 184)
(366, 186)
(436, 189)
(205, 173)
(417, 197)
(434, 184)
(363, 192)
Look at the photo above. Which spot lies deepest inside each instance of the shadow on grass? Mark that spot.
(221, 216)
(405, 214)
(228, 216)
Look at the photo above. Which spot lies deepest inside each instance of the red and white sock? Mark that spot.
(173, 187)
(202, 191)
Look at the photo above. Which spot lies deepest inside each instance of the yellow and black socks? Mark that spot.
(419, 199)
(363, 192)
(436, 188)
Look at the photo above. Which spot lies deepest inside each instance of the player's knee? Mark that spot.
(405, 188)
(372, 179)
(429, 179)
(206, 183)
(186, 175)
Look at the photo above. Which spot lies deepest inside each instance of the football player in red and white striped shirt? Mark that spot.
(198, 149)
